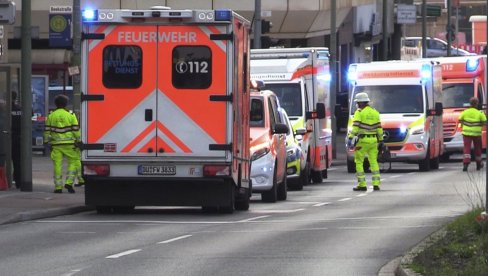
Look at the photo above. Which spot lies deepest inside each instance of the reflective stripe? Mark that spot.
(466, 123)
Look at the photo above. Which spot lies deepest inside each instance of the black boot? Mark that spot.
(465, 167)
(359, 188)
(479, 166)
(69, 188)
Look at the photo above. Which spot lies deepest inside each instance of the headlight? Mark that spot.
(291, 155)
(259, 153)
(417, 130)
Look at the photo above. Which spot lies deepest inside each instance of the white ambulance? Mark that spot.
(408, 96)
(300, 78)
(165, 109)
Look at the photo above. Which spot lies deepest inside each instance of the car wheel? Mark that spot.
(305, 175)
(424, 165)
(271, 195)
(317, 176)
(282, 189)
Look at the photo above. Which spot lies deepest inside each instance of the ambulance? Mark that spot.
(408, 96)
(462, 78)
(300, 78)
(165, 109)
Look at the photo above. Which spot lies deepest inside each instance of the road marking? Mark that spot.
(345, 199)
(72, 272)
(128, 252)
(276, 211)
(395, 176)
(304, 202)
(175, 239)
(77, 232)
(363, 194)
(251, 219)
(321, 204)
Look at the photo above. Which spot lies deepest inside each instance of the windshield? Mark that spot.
(289, 96)
(393, 98)
(457, 94)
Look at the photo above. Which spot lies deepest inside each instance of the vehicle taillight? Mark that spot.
(214, 170)
(96, 169)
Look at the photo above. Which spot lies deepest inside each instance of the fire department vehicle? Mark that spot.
(300, 78)
(408, 96)
(165, 109)
(462, 78)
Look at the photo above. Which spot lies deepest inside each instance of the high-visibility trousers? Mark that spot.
(58, 152)
(367, 147)
(477, 145)
(79, 174)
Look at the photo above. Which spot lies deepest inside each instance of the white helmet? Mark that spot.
(361, 97)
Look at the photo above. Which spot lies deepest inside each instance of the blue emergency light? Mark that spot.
(472, 64)
(324, 77)
(223, 15)
(352, 74)
(89, 15)
(425, 72)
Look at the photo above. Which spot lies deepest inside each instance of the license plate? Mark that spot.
(156, 170)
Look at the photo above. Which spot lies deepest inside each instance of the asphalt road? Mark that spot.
(326, 229)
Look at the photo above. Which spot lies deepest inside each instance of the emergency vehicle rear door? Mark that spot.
(150, 89)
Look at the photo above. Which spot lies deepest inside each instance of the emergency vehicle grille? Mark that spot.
(449, 129)
(393, 135)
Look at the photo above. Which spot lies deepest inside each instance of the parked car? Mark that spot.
(268, 147)
(294, 156)
(435, 47)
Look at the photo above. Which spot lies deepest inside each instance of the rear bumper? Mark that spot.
(104, 191)
(454, 143)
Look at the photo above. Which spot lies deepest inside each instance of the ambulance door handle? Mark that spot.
(148, 115)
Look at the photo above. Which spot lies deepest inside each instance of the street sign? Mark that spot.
(60, 26)
(406, 14)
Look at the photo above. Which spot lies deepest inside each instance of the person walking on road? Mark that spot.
(62, 133)
(79, 173)
(472, 121)
(15, 130)
(368, 134)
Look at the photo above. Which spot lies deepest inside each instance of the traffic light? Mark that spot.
(450, 32)
(265, 26)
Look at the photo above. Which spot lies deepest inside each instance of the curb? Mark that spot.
(407, 259)
(52, 212)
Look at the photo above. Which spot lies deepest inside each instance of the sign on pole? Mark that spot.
(406, 14)
(60, 26)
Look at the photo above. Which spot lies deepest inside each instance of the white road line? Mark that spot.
(175, 239)
(321, 204)
(360, 195)
(395, 176)
(134, 221)
(276, 211)
(128, 252)
(303, 202)
(77, 232)
(72, 272)
(345, 199)
(251, 219)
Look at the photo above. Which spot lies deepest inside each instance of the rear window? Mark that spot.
(122, 66)
(192, 63)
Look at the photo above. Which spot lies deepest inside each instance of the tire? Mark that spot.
(317, 177)
(351, 166)
(282, 189)
(434, 163)
(242, 201)
(424, 165)
(305, 175)
(229, 209)
(445, 157)
(294, 184)
(123, 209)
(103, 209)
(271, 196)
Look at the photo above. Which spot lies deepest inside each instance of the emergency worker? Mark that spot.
(15, 130)
(61, 133)
(472, 121)
(367, 131)
(78, 175)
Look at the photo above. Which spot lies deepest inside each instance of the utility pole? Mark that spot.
(385, 30)
(486, 172)
(26, 86)
(333, 70)
(76, 56)
(448, 28)
(257, 24)
(424, 28)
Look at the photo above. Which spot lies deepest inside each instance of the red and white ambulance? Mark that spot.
(462, 78)
(407, 94)
(165, 108)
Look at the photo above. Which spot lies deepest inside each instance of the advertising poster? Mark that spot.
(39, 110)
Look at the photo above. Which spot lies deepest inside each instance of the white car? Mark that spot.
(435, 47)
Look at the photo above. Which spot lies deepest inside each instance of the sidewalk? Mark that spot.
(17, 206)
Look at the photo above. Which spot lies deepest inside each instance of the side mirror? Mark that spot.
(319, 112)
(280, 129)
(438, 110)
(257, 84)
(300, 131)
